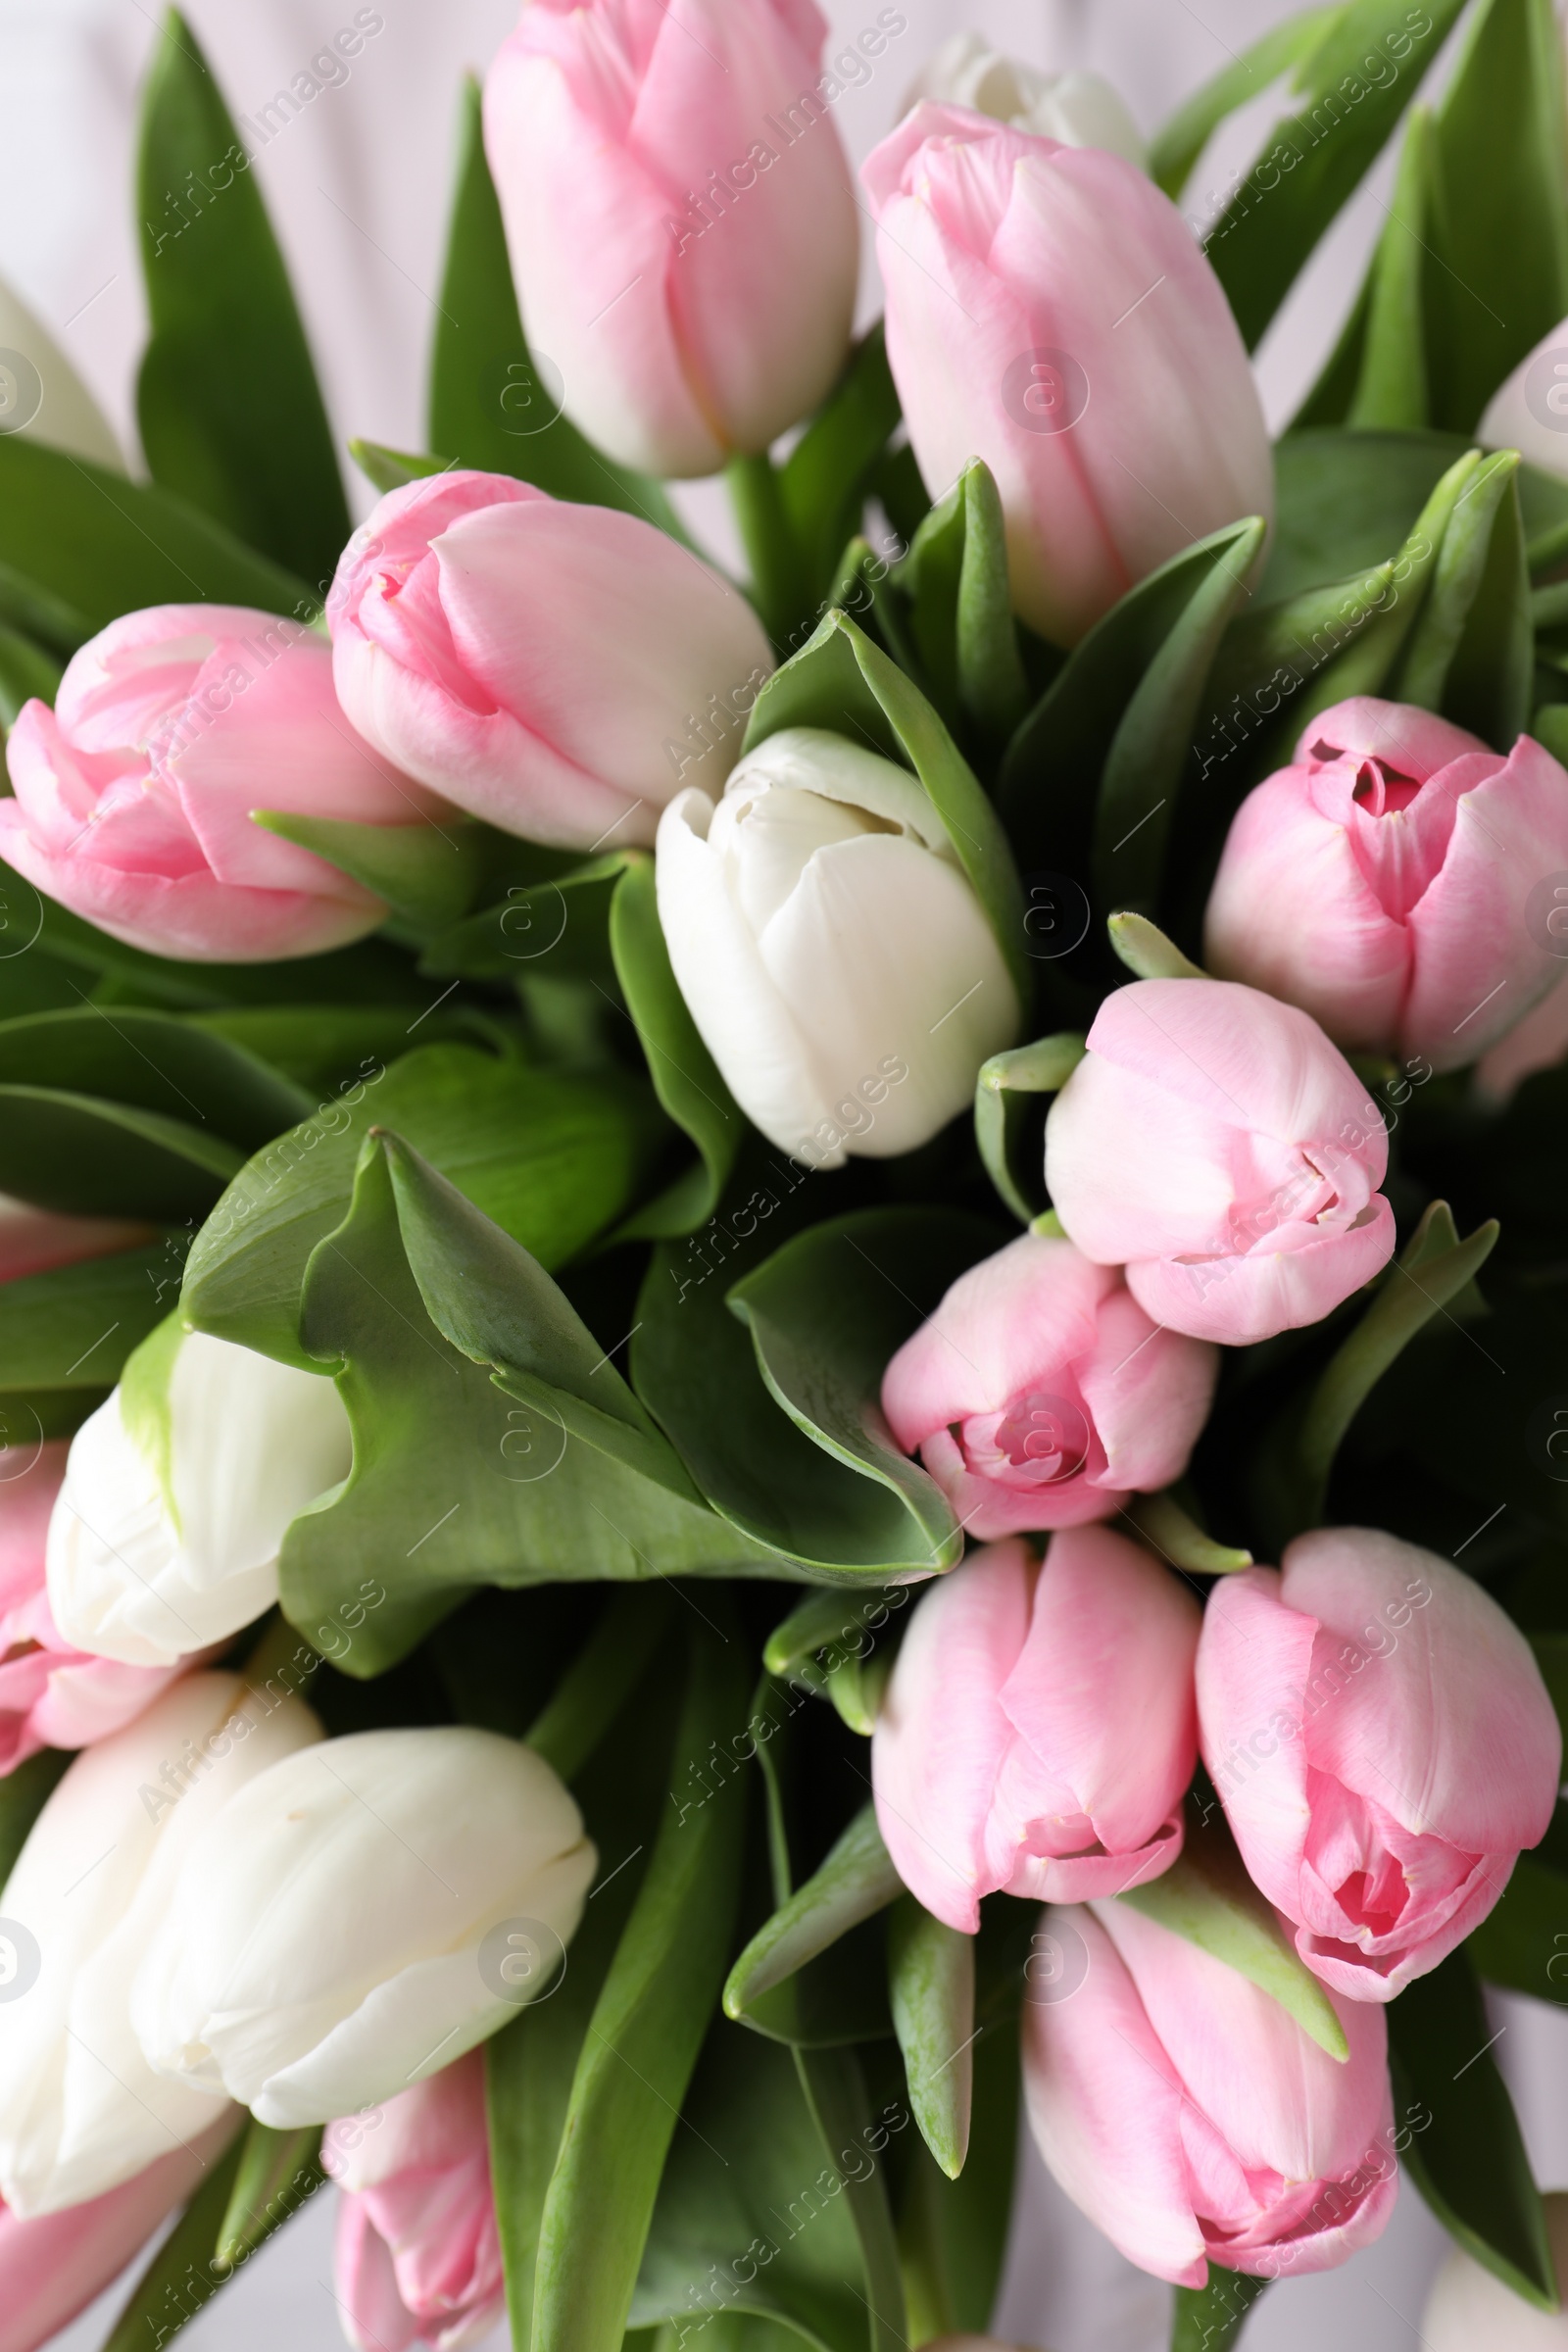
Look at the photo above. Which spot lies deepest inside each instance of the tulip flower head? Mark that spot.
(553, 668)
(1076, 110)
(679, 216)
(134, 795)
(51, 1694)
(1001, 1757)
(82, 2110)
(419, 2252)
(1387, 883)
(341, 1931)
(1193, 2120)
(1215, 1144)
(830, 949)
(1384, 1746)
(1040, 1393)
(178, 1492)
(1049, 312)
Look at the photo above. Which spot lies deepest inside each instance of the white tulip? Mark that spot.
(81, 2109)
(1470, 2310)
(1530, 412)
(830, 949)
(1078, 109)
(44, 397)
(325, 1944)
(178, 1492)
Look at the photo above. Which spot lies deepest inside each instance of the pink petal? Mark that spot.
(1253, 1667)
(1149, 1391)
(1238, 1301)
(1007, 1325)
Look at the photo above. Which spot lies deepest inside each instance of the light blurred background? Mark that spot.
(358, 187)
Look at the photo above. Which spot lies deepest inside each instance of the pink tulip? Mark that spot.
(555, 669)
(679, 215)
(418, 2253)
(1383, 883)
(1384, 1746)
(51, 2266)
(51, 1694)
(36, 1241)
(1040, 1393)
(1005, 1755)
(1191, 2118)
(134, 795)
(1049, 312)
(1539, 1042)
(1215, 1144)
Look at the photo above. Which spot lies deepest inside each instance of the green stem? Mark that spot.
(777, 567)
(1207, 2318)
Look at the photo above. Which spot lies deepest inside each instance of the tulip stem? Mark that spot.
(778, 581)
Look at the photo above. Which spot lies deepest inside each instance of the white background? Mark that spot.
(357, 187)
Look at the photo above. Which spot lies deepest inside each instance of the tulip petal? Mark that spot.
(1003, 1328)
(1239, 1301)
(1148, 1391)
(1253, 1674)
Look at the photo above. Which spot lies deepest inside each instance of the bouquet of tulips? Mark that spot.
(778, 1357)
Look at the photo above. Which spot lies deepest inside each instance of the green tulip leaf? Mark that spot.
(278, 2174)
(843, 682)
(1522, 1940)
(393, 468)
(931, 1993)
(24, 1791)
(100, 1159)
(1176, 1535)
(1009, 1116)
(1205, 2319)
(148, 1061)
(1356, 82)
(425, 872)
(643, 2038)
(953, 2233)
(27, 671)
(825, 480)
(1471, 651)
(959, 611)
(230, 414)
(492, 404)
(1178, 144)
(826, 1314)
(65, 1334)
(856, 1881)
(596, 1686)
(182, 2278)
(1391, 391)
(1464, 2151)
(555, 927)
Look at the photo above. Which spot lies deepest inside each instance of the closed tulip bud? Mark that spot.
(553, 668)
(1185, 2111)
(81, 2109)
(829, 948)
(1001, 1757)
(54, 2265)
(1215, 1144)
(1040, 1393)
(51, 1694)
(1470, 2310)
(1384, 1746)
(679, 216)
(178, 1492)
(135, 794)
(1076, 110)
(1528, 412)
(1383, 882)
(418, 2253)
(1049, 312)
(360, 1916)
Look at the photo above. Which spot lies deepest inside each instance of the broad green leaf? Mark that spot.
(181, 2276)
(1141, 780)
(529, 2065)
(596, 1686)
(1391, 392)
(149, 1061)
(1467, 2157)
(836, 2093)
(959, 618)
(752, 2217)
(555, 928)
(685, 1076)
(371, 973)
(425, 872)
(1434, 1267)
(1010, 1119)
(494, 403)
(1051, 776)
(27, 669)
(779, 579)
(230, 414)
(1146, 951)
(1523, 1941)
(643, 2040)
(825, 480)
(554, 1159)
(99, 545)
(1208, 1897)
(325, 1049)
(24, 1791)
(931, 1993)
(953, 2233)
(100, 1159)
(65, 1334)
(1177, 1537)
(393, 468)
(278, 2173)
(1471, 651)
(1207, 2318)
(1180, 142)
(845, 683)
(856, 1880)
(827, 1312)
(1315, 158)
(1497, 265)
(30, 609)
